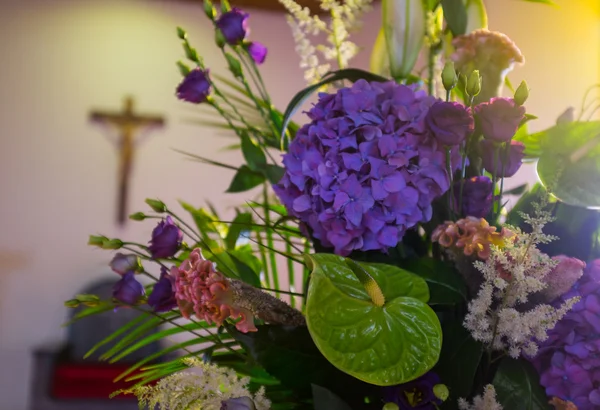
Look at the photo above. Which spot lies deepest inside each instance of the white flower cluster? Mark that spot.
(344, 18)
(485, 402)
(205, 389)
(499, 316)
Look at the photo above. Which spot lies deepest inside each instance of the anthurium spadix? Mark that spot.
(404, 28)
(476, 15)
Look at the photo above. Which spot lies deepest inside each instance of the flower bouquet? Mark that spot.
(378, 267)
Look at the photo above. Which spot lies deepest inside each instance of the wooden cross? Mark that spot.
(126, 124)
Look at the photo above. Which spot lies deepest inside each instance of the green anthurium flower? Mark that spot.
(404, 27)
(476, 15)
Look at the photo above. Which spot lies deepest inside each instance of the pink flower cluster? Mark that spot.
(472, 235)
(201, 290)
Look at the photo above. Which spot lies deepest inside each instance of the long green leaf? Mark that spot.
(123, 329)
(350, 74)
(104, 306)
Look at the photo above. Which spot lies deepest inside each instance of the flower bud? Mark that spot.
(157, 205)
(88, 300)
(390, 406)
(474, 84)
(73, 303)
(521, 94)
(181, 33)
(98, 241)
(441, 392)
(225, 6)
(220, 39)
(449, 77)
(123, 263)
(112, 244)
(209, 10)
(234, 65)
(138, 216)
(404, 26)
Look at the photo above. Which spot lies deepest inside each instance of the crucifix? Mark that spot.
(127, 124)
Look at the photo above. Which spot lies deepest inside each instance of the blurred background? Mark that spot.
(62, 59)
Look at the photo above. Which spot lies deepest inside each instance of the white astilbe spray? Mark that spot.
(499, 316)
(205, 389)
(485, 402)
(344, 18)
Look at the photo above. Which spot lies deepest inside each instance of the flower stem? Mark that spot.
(451, 191)
(269, 233)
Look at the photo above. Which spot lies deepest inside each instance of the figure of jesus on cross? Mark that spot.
(126, 124)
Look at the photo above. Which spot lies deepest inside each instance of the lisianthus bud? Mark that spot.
(112, 244)
(88, 300)
(449, 122)
(509, 158)
(476, 197)
(219, 39)
(157, 205)
(181, 33)
(123, 263)
(449, 77)
(499, 118)
(238, 403)
(97, 240)
(390, 406)
(257, 51)
(234, 65)
(209, 10)
(166, 239)
(234, 26)
(128, 290)
(138, 216)
(195, 87)
(441, 392)
(73, 303)
(522, 93)
(404, 25)
(474, 84)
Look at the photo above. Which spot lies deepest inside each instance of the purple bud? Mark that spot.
(233, 25)
(239, 403)
(166, 239)
(450, 122)
(476, 196)
(499, 118)
(128, 290)
(195, 87)
(508, 161)
(122, 263)
(258, 52)
(162, 298)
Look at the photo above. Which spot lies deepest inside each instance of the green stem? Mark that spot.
(269, 233)
(430, 70)
(198, 238)
(463, 171)
(451, 192)
(263, 258)
(285, 292)
(291, 276)
(494, 180)
(145, 257)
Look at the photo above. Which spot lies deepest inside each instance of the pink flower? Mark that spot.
(201, 290)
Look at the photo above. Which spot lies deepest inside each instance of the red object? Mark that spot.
(89, 381)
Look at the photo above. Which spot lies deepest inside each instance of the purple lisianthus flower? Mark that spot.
(166, 239)
(417, 394)
(257, 51)
(233, 25)
(569, 360)
(450, 122)
(195, 87)
(162, 298)
(122, 263)
(509, 158)
(366, 167)
(238, 403)
(477, 197)
(499, 118)
(128, 290)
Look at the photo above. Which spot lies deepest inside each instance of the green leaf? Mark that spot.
(274, 173)
(459, 360)
(518, 387)
(240, 225)
(245, 179)
(446, 286)
(455, 14)
(253, 154)
(386, 345)
(569, 164)
(323, 399)
(350, 74)
(245, 272)
(548, 2)
(205, 223)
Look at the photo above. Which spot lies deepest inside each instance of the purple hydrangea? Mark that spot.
(366, 168)
(569, 360)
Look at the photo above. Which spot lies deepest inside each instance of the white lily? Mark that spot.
(404, 30)
(380, 63)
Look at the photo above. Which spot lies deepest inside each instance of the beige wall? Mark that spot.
(61, 58)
